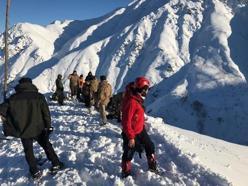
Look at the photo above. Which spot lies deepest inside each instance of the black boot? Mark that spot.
(36, 175)
(56, 168)
(152, 164)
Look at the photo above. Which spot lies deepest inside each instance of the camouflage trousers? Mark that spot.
(102, 110)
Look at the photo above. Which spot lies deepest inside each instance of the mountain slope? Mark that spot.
(188, 49)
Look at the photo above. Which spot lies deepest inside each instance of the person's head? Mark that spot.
(90, 73)
(102, 77)
(25, 80)
(59, 76)
(81, 76)
(142, 85)
(74, 72)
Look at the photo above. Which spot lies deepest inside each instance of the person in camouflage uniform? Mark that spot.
(73, 83)
(93, 90)
(104, 94)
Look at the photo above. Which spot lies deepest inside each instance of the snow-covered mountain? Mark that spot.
(193, 51)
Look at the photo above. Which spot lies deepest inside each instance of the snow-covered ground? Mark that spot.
(92, 154)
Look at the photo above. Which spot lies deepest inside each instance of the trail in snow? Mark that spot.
(92, 155)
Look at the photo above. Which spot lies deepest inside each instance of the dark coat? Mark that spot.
(89, 77)
(59, 85)
(27, 111)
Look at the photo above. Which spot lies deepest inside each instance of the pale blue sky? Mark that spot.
(45, 11)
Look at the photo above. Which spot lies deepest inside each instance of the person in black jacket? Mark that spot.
(89, 76)
(27, 114)
(60, 90)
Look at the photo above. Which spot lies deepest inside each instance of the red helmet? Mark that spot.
(140, 82)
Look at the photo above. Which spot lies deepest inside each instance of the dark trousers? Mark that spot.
(43, 141)
(142, 140)
(80, 94)
(61, 97)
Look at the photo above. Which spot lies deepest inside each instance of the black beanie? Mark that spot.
(102, 77)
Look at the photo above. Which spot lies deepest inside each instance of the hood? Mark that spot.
(26, 87)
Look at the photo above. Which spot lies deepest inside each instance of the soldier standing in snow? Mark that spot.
(73, 84)
(134, 133)
(27, 115)
(104, 94)
(93, 90)
(60, 90)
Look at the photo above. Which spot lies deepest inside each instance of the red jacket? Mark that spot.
(132, 116)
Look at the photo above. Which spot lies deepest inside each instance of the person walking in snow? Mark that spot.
(134, 134)
(27, 114)
(60, 89)
(94, 83)
(87, 95)
(104, 93)
(73, 84)
(80, 88)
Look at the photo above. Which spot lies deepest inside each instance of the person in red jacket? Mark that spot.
(134, 134)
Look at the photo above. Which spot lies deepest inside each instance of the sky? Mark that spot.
(44, 12)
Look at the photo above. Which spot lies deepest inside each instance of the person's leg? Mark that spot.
(71, 88)
(43, 141)
(60, 97)
(149, 149)
(103, 114)
(29, 155)
(75, 91)
(127, 157)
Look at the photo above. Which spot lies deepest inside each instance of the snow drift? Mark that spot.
(193, 51)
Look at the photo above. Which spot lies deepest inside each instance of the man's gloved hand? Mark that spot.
(48, 131)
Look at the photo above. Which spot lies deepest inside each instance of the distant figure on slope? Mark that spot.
(80, 88)
(134, 133)
(94, 83)
(73, 84)
(89, 77)
(86, 94)
(60, 89)
(104, 93)
(27, 115)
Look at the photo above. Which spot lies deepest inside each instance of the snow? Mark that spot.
(92, 154)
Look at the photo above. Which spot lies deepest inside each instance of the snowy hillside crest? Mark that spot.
(193, 51)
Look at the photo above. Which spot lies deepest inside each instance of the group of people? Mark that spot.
(94, 93)
(33, 120)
